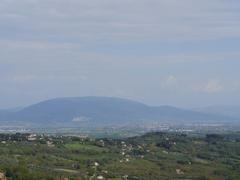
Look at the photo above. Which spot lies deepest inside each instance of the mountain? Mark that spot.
(104, 111)
(231, 111)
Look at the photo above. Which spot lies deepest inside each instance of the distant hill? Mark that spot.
(104, 111)
(231, 111)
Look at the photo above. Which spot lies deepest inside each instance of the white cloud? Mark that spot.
(168, 82)
(125, 20)
(213, 86)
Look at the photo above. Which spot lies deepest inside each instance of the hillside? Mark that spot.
(152, 156)
(231, 111)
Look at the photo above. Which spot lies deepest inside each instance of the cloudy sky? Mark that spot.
(183, 53)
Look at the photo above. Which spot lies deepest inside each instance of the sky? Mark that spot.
(161, 52)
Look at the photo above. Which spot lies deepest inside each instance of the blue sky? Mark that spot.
(182, 53)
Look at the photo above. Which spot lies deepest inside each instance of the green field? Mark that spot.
(152, 156)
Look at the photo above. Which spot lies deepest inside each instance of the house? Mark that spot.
(2, 176)
(50, 144)
(179, 172)
(96, 164)
(100, 177)
(32, 137)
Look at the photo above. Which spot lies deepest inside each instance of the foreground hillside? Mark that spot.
(103, 111)
(152, 156)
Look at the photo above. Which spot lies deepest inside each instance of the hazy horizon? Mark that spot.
(159, 52)
(154, 105)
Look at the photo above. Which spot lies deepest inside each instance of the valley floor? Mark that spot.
(151, 156)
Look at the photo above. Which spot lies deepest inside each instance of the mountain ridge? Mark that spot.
(105, 111)
(227, 110)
